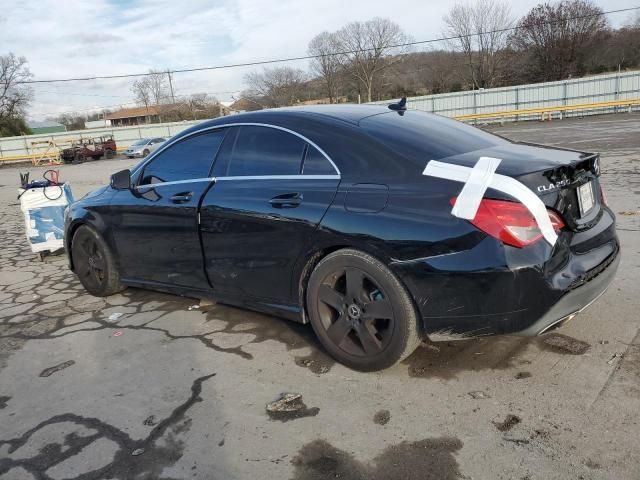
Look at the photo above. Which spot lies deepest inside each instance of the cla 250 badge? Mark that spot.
(553, 186)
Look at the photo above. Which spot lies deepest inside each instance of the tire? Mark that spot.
(145, 153)
(109, 153)
(93, 263)
(79, 158)
(342, 293)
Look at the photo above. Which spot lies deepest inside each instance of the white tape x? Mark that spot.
(482, 176)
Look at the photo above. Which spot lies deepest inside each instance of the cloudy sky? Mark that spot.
(70, 38)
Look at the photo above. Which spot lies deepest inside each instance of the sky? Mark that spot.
(71, 38)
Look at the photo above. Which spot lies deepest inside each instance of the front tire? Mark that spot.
(93, 263)
(361, 312)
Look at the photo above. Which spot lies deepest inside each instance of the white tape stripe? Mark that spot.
(468, 201)
(524, 195)
(505, 184)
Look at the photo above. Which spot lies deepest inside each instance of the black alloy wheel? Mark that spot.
(360, 311)
(93, 263)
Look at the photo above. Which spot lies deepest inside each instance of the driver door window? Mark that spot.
(188, 159)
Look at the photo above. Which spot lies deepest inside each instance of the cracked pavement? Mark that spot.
(165, 391)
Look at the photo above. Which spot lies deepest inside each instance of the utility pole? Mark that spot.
(173, 98)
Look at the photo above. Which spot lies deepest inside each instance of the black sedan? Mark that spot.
(379, 227)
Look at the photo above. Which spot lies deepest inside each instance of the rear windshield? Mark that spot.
(420, 136)
(142, 141)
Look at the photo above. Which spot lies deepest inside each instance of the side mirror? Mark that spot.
(121, 180)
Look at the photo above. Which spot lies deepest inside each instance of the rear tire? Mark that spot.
(361, 312)
(93, 263)
(109, 153)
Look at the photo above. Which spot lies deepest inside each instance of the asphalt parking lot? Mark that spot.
(143, 385)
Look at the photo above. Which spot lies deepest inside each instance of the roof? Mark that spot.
(44, 124)
(134, 112)
(348, 112)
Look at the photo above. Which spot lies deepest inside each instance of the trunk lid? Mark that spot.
(565, 180)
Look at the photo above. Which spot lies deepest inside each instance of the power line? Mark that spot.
(309, 57)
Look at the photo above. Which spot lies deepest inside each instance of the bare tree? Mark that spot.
(158, 82)
(72, 120)
(480, 34)
(14, 95)
(141, 91)
(442, 71)
(634, 22)
(201, 105)
(558, 36)
(276, 87)
(327, 64)
(366, 47)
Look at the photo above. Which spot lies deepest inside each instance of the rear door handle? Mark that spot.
(182, 197)
(286, 200)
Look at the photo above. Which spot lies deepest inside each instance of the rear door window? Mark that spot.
(186, 160)
(264, 151)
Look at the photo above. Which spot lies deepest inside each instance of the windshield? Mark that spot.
(142, 141)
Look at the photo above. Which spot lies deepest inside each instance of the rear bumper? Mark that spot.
(494, 290)
(576, 300)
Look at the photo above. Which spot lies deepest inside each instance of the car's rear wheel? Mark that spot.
(361, 312)
(109, 153)
(93, 263)
(145, 152)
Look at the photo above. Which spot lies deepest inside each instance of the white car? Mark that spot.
(143, 147)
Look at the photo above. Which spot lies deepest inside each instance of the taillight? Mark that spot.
(510, 222)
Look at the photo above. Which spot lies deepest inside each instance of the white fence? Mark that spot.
(599, 88)
(124, 136)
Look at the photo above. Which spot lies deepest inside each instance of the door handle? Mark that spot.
(286, 200)
(182, 197)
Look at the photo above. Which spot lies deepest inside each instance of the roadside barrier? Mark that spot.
(547, 112)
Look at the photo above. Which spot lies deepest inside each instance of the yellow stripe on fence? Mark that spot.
(548, 110)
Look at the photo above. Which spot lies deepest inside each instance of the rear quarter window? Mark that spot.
(421, 137)
(315, 163)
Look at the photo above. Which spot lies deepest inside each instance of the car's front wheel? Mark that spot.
(361, 312)
(94, 263)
